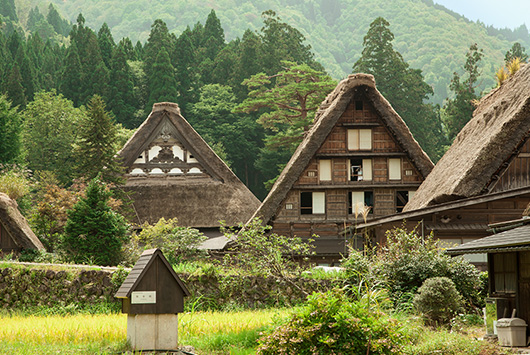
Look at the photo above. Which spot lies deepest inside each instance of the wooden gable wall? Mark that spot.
(7, 244)
(517, 174)
(338, 188)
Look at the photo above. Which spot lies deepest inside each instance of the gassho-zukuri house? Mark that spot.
(358, 152)
(15, 233)
(172, 172)
(484, 178)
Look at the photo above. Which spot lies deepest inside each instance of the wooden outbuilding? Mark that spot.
(508, 254)
(172, 172)
(359, 152)
(15, 233)
(152, 295)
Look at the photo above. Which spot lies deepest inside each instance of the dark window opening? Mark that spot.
(402, 197)
(306, 203)
(368, 201)
(359, 105)
(356, 170)
(504, 272)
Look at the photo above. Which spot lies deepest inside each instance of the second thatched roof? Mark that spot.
(500, 124)
(16, 225)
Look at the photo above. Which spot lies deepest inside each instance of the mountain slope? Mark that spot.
(428, 36)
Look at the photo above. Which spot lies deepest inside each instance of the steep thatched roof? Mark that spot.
(199, 200)
(499, 125)
(326, 117)
(16, 225)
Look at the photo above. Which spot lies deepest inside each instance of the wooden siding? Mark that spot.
(7, 244)
(517, 174)
(288, 219)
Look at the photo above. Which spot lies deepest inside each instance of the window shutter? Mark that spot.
(367, 169)
(365, 139)
(325, 170)
(353, 139)
(319, 202)
(394, 169)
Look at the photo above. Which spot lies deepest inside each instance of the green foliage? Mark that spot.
(50, 129)
(94, 232)
(517, 51)
(330, 323)
(176, 242)
(459, 110)
(96, 144)
(402, 86)
(406, 261)
(10, 132)
(291, 96)
(438, 301)
(260, 252)
(14, 181)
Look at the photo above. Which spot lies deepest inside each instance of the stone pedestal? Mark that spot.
(152, 331)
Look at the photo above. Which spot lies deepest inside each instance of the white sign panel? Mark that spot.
(143, 297)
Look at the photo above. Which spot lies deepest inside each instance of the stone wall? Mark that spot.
(24, 287)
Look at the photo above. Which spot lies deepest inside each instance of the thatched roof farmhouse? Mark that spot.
(171, 172)
(483, 179)
(490, 154)
(15, 233)
(358, 150)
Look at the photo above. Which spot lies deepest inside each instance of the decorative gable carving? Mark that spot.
(164, 154)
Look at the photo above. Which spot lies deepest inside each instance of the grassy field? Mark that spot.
(209, 332)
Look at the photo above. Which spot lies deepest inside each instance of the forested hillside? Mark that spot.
(429, 36)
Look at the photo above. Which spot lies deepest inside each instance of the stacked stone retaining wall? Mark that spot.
(25, 287)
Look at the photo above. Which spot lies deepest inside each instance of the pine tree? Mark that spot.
(121, 100)
(127, 47)
(459, 110)
(213, 36)
(185, 68)
(14, 88)
(247, 63)
(27, 73)
(9, 10)
(162, 83)
(517, 51)
(71, 75)
(106, 43)
(95, 147)
(60, 25)
(94, 233)
(159, 38)
(10, 130)
(402, 86)
(281, 41)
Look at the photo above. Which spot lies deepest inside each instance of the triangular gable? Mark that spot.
(171, 172)
(484, 148)
(166, 144)
(325, 120)
(16, 225)
(141, 267)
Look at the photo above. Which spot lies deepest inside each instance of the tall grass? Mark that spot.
(208, 332)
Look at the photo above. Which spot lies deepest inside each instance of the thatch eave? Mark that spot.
(16, 225)
(483, 148)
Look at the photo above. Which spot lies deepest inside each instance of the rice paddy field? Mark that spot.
(209, 332)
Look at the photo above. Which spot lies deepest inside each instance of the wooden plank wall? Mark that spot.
(518, 172)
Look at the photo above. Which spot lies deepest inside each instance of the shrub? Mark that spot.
(330, 323)
(177, 243)
(94, 233)
(438, 300)
(408, 259)
(260, 252)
